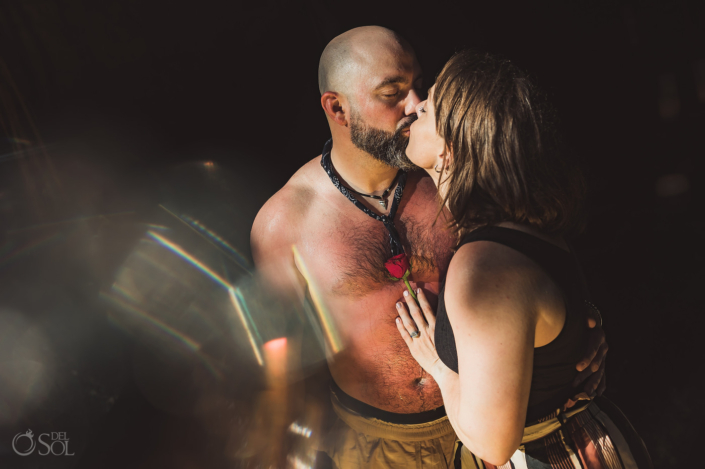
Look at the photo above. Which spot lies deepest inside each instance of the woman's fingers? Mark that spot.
(406, 320)
(416, 313)
(428, 312)
(404, 333)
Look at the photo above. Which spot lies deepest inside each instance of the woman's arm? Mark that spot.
(490, 306)
(489, 300)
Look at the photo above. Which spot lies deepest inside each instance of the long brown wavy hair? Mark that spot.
(507, 162)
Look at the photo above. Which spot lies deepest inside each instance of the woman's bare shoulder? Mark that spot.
(484, 273)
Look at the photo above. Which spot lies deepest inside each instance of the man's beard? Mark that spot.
(384, 146)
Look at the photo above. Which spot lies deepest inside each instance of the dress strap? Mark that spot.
(559, 264)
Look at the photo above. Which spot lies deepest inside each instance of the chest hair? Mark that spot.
(361, 266)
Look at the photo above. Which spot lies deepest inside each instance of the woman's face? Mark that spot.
(425, 147)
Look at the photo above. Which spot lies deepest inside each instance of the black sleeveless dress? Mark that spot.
(600, 436)
(554, 363)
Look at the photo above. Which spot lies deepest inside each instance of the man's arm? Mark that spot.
(275, 231)
(273, 234)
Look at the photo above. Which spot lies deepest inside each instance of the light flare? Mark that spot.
(181, 338)
(158, 265)
(20, 141)
(297, 429)
(175, 248)
(29, 247)
(275, 344)
(123, 292)
(275, 357)
(70, 220)
(212, 238)
(323, 315)
(157, 227)
(298, 463)
(156, 322)
(243, 313)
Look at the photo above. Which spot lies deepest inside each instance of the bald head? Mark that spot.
(369, 80)
(354, 53)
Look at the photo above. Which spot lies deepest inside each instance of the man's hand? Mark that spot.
(592, 366)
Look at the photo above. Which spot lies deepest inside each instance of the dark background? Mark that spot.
(126, 94)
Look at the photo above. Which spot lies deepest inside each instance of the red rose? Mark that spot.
(398, 266)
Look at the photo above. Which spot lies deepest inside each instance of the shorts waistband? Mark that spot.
(377, 428)
(543, 429)
(367, 410)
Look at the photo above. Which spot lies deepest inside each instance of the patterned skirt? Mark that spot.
(595, 436)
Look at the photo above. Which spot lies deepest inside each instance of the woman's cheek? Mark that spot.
(411, 149)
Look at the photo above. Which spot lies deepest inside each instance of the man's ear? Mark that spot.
(333, 107)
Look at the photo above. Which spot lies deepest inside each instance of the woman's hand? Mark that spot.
(417, 329)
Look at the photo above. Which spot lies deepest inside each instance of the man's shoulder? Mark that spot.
(289, 205)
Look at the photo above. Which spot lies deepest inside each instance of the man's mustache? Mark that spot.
(406, 122)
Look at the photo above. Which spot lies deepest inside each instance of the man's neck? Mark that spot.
(360, 170)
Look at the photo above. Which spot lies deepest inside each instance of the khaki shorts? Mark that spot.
(609, 441)
(355, 441)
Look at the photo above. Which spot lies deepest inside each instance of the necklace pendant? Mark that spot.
(383, 203)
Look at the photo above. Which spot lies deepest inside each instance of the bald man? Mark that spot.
(348, 211)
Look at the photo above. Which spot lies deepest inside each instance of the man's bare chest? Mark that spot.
(348, 251)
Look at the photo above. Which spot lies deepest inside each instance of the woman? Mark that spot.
(511, 316)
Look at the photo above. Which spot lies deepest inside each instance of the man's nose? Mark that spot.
(412, 102)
